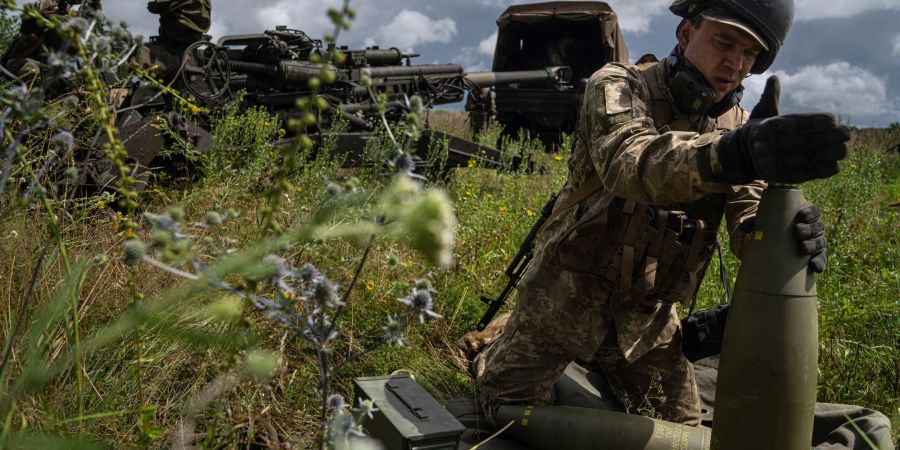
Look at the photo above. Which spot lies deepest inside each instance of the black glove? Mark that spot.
(810, 232)
(702, 333)
(786, 149)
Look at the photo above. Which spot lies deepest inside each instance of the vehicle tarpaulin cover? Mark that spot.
(517, 21)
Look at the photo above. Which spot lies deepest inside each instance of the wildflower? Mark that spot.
(557, 158)
(404, 164)
(161, 238)
(471, 163)
(503, 209)
(367, 407)
(334, 189)
(430, 225)
(101, 204)
(420, 301)
(370, 285)
(336, 401)
(325, 292)
(261, 364)
(227, 308)
(424, 284)
(308, 272)
(134, 251)
(213, 218)
(468, 193)
(393, 332)
(196, 110)
(177, 214)
(529, 213)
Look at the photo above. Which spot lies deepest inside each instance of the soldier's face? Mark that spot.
(724, 54)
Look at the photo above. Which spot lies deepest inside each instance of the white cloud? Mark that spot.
(897, 45)
(488, 44)
(411, 28)
(839, 88)
(472, 59)
(817, 9)
(635, 15)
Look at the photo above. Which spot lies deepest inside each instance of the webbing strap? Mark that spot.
(590, 186)
(662, 219)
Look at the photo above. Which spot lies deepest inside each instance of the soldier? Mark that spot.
(27, 51)
(181, 23)
(663, 151)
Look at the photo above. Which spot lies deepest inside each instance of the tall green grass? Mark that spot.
(190, 345)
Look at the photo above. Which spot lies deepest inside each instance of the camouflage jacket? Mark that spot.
(656, 178)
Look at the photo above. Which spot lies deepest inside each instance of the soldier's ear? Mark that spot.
(683, 33)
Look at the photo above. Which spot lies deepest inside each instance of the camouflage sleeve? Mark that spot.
(739, 208)
(631, 157)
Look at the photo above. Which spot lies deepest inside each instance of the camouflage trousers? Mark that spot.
(553, 324)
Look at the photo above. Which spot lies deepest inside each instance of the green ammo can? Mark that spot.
(408, 418)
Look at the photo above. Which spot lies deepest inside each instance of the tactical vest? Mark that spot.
(656, 253)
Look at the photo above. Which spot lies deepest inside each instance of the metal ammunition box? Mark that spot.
(408, 418)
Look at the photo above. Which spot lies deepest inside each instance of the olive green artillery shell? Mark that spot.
(766, 393)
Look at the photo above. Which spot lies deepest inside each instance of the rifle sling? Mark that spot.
(592, 185)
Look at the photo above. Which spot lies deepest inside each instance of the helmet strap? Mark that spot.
(691, 93)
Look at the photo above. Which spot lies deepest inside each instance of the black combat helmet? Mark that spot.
(771, 19)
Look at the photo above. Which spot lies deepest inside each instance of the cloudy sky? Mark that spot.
(842, 56)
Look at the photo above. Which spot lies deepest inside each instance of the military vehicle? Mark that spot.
(273, 69)
(578, 34)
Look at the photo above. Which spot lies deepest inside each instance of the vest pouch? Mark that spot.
(679, 267)
(594, 245)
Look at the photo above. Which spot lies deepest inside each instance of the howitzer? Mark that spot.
(276, 67)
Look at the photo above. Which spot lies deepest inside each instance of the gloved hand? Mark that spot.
(788, 149)
(810, 231)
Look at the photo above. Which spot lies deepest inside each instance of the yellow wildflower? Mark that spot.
(557, 157)
(468, 193)
(503, 209)
(101, 204)
(471, 163)
(195, 109)
(370, 285)
(529, 212)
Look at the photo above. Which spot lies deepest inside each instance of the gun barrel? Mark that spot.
(375, 56)
(288, 71)
(552, 75)
(405, 71)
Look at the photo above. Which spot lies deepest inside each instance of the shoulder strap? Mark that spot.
(590, 186)
(661, 110)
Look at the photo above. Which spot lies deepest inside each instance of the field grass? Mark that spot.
(132, 391)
